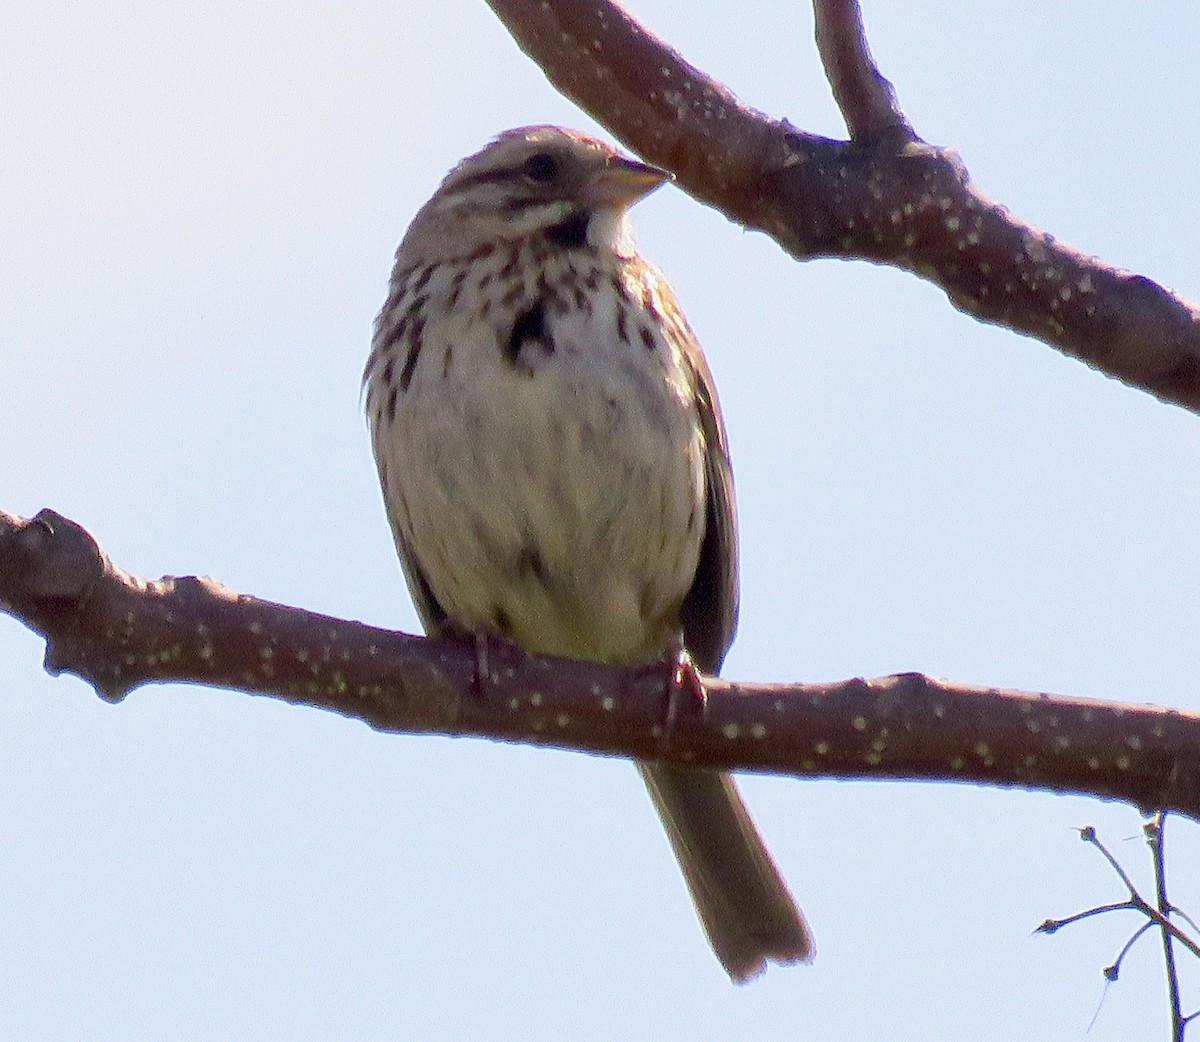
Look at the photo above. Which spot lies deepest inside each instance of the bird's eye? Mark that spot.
(540, 167)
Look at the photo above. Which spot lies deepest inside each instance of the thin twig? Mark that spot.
(1088, 835)
(1113, 971)
(1158, 915)
(1156, 839)
(1054, 925)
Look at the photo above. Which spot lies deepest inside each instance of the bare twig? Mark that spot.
(119, 632)
(1156, 839)
(881, 197)
(1156, 915)
(1054, 925)
(1113, 971)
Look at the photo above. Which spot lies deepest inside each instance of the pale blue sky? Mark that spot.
(201, 204)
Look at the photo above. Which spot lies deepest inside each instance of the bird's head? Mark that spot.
(536, 180)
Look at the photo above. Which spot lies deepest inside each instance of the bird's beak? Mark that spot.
(622, 182)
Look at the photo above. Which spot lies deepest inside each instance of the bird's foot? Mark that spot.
(485, 641)
(685, 693)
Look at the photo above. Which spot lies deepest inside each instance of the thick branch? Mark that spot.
(118, 632)
(882, 197)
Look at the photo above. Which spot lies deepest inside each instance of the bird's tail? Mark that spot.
(744, 904)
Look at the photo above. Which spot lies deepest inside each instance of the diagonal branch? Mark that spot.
(884, 196)
(118, 632)
(867, 100)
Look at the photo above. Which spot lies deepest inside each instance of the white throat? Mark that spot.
(611, 229)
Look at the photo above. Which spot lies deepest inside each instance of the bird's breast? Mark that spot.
(544, 461)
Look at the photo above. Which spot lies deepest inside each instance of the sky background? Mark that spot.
(200, 206)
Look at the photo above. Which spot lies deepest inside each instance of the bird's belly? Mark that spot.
(563, 507)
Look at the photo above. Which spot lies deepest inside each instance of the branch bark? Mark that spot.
(118, 632)
(883, 196)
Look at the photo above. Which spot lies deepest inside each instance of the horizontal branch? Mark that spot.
(118, 632)
(884, 196)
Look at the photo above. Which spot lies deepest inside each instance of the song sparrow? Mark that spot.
(555, 467)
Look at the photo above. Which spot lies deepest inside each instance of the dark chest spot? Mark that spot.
(529, 328)
(572, 232)
(416, 340)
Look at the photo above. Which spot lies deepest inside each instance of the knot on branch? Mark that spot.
(48, 564)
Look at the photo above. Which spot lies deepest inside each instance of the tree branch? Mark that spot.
(884, 196)
(119, 632)
(867, 100)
